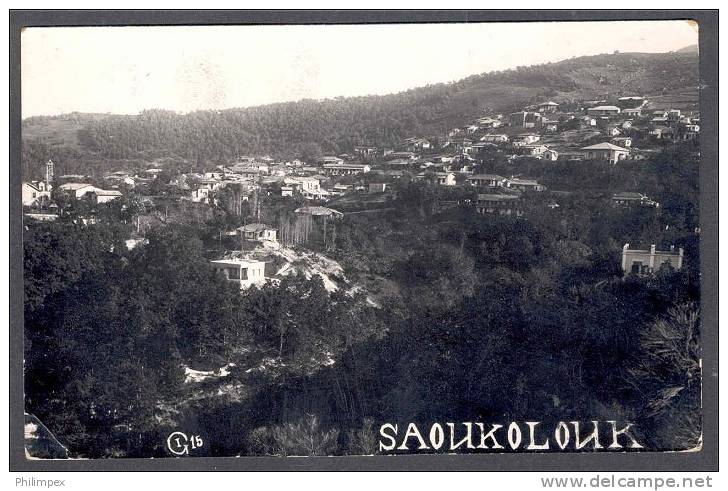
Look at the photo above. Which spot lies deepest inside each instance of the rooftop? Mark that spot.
(495, 177)
(628, 195)
(497, 197)
(604, 146)
(255, 227)
(73, 186)
(604, 108)
(237, 262)
(319, 211)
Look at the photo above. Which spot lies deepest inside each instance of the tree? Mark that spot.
(666, 379)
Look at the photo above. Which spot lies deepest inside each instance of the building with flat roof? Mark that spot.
(244, 272)
(643, 261)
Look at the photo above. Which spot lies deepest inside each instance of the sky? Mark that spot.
(124, 70)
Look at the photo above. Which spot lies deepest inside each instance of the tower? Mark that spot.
(49, 173)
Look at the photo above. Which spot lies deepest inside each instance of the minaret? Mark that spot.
(49, 173)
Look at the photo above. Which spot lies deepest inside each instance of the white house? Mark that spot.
(104, 196)
(496, 138)
(547, 107)
(603, 110)
(345, 169)
(201, 195)
(445, 178)
(35, 191)
(304, 185)
(622, 141)
(486, 180)
(535, 149)
(643, 261)
(605, 151)
(259, 232)
(524, 184)
(633, 112)
(78, 189)
(526, 138)
(244, 272)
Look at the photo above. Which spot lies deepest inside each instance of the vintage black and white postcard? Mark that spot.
(367, 239)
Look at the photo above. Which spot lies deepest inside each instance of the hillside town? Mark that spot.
(612, 130)
(265, 269)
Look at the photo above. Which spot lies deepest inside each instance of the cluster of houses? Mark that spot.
(553, 131)
(599, 130)
(548, 131)
(37, 195)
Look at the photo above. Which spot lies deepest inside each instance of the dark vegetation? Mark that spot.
(479, 318)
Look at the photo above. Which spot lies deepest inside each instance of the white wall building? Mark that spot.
(244, 272)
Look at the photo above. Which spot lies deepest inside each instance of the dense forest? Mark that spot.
(85, 144)
(474, 318)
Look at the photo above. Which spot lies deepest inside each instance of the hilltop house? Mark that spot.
(445, 178)
(550, 154)
(525, 139)
(200, 195)
(551, 126)
(525, 119)
(605, 151)
(341, 189)
(486, 180)
(104, 196)
(524, 184)
(244, 272)
(329, 160)
(547, 107)
(631, 101)
(496, 138)
(365, 151)
(305, 185)
(414, 144)
(603, 111)
(622, 141)
(403, 155)
(638, 261)
(499, 204)
(535, 149)
(249, 168)
(489, 122)
(259, 232)
(342, 169)
(319, 211)
(461, 144)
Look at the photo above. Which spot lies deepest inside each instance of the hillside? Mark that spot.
(86, 143)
